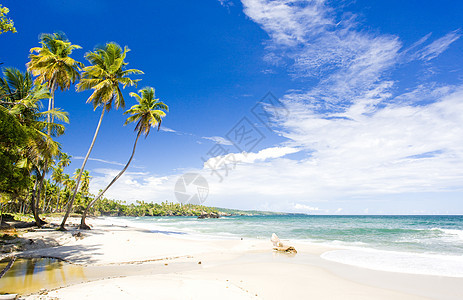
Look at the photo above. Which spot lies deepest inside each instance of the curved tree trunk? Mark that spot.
(38, 222)
(84, 215)
(57, 201)
(71, 201)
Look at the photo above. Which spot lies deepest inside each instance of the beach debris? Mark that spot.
(8, 266)
(43, 292)
(199, 262)
(276, 241)
(78, 235)
(278, 245)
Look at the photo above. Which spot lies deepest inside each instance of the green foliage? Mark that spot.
(5, 23)
(148, 112)
(107, 71)
(52, 63)
(108, 207)
(13, 137)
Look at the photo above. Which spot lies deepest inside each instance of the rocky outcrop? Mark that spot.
(205, 215)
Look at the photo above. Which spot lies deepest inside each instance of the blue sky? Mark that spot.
(372, 94)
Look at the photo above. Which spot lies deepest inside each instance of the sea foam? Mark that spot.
(401, 262)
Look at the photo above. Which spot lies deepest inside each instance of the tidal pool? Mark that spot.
(29, 275)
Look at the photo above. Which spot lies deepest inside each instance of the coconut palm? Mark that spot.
(57, 177)
(64, 160)
(84, 188)
(41, 147)
(22, 98)
(147, 113)
(106, 73)
(53, 65)
(69, 186)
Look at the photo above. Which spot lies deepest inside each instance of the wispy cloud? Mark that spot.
(166, 129)
(226, 3)
(100, 160)
(434, 49)
(218, 139)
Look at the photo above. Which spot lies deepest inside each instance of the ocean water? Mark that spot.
(431, 245)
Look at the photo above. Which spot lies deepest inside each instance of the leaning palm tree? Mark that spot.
(53, 66)
(149, 113)
(104, 76)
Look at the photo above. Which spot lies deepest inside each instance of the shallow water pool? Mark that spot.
(28, 275)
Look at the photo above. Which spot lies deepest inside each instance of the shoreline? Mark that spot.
(179, 266)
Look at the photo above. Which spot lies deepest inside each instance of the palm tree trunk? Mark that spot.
(37, 200)
(33, 206)
(38, 195)
(57, 201)
(50, 100)
(82, 221)
(71, 202)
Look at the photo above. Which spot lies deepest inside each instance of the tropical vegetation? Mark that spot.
(6, 24)
(34, 178)
(147, 113)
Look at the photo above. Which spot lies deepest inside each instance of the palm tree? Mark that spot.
(69, 186)
(64, 160)
(148, 113)
(57, 177)
(107, 71)
(53, 64)
(54, 67)
(22, 97)
(85, 183)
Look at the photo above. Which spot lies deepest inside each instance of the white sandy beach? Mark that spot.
(131, 263)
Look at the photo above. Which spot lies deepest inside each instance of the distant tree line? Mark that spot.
(108, 207)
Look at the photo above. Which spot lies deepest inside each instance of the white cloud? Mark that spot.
(132, 186)
(100, 160)
(438, 46)
(308, 35)
(218, 139)
(289, 23)
(226, 3)
(167, 129)
(245, 157)
(305, 208)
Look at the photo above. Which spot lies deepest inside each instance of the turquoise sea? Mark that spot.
(412, 244)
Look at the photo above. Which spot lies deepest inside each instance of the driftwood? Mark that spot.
(8, 266)
(289, 249)
(278, 245)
